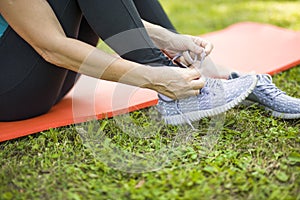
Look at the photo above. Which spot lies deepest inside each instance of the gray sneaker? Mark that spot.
(217, 96)
(273, 99)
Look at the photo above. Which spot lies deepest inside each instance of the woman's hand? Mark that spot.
(175, 82)
(181, 43)
(173, 43)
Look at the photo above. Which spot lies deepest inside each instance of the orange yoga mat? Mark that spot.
(262, 48)
(244, 46)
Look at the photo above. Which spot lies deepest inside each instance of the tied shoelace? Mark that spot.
(268, 86)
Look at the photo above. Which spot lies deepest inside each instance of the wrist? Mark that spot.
(150, 74)
(155, 77)
(137, 74)
(160, 36)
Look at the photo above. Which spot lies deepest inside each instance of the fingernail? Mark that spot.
(203, 79)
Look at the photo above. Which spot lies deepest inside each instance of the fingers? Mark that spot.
(193, 74)
(196, 81)
(206, 45)
(190, 83)
(190, 44)
(198, 49)
(197, 84)
(190, 94)
(179, 83)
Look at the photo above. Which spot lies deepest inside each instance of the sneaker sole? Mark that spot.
(197, 115)
(273, 112)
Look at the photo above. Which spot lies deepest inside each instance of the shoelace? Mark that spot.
(211, 83)
(269, 87)
(203, 55)
(188, 121)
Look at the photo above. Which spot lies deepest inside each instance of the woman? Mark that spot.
(45, 44)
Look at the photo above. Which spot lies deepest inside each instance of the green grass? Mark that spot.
(199, 16)
(248, 156)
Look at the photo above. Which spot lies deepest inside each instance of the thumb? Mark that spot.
(193, 46)
(187, 43)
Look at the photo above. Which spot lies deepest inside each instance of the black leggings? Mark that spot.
(30, 86)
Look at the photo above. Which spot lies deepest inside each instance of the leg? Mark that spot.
(152, 11)
(29, 86)
(119, 25)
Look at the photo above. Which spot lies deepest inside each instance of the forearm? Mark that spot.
(174, 82)
(83, 58)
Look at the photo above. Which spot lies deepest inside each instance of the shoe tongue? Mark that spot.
(265, 79)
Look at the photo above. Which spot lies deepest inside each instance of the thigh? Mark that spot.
(119, 25)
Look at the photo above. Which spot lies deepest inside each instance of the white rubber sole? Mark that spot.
(199, 114)
(273, 112)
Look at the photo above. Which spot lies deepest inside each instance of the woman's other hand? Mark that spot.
(175, 82)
